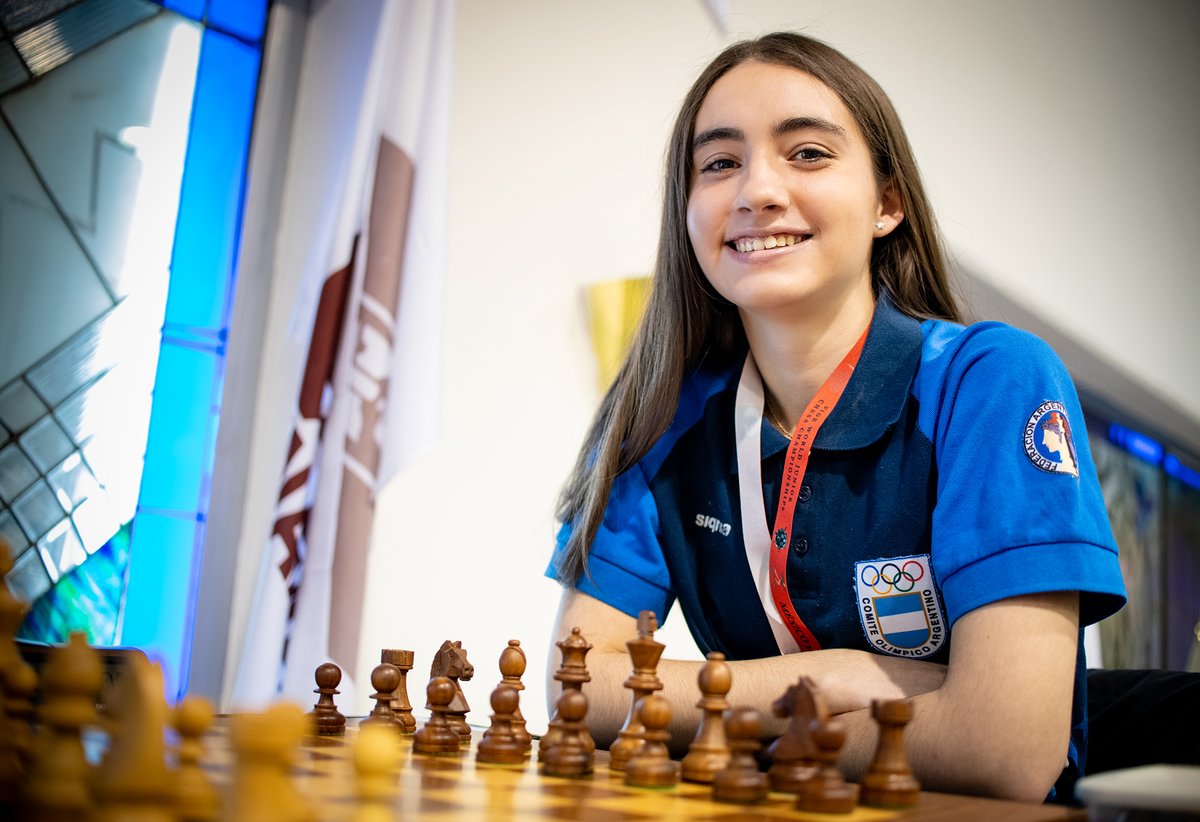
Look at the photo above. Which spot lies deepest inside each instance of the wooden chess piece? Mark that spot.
(385, 678)
(17, 685)
(570, 755)
(828, 792)
(451, 662)
(438, 736)
(500, 744)
(652, 766)
(132, 781)
(794, 758)
(401, 707)
(326, 719)
(741, 781)
(58, 786)
(376, 761)
(572, 673)
(645, 652)
(196, 799)
(889, 782)
(512, 668)
(709, 751)
(265, 747)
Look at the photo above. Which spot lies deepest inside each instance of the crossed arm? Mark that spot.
(995, 721)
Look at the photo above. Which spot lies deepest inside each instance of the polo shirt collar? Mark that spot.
(878, 388)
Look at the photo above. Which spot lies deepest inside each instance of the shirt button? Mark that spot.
(805, 493)
(800, 546)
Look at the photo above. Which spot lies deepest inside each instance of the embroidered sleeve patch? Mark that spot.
(899, 606)
(1048, 441)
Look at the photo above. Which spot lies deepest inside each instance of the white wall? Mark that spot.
(1053, 143)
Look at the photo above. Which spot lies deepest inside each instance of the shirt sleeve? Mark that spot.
(1019, 508)
(625, 567)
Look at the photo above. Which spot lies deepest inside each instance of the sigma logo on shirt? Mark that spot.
(1048, 441)
(899, 605)
(713, 524)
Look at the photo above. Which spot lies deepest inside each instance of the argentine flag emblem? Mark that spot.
(900, 606)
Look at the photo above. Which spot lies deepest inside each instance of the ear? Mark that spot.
(891, 209)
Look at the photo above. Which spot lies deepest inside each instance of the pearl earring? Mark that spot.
(879, 226)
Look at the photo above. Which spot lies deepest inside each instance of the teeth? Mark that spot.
(745, 244)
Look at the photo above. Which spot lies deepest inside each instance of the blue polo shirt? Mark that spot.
(953, 472)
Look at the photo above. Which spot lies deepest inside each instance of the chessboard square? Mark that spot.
(861, 813)
(689, 790)
(666, 804)
(509, 776)
(586, 813)
(586, 788)
(445, 812)
(530, 802)
(491, 801)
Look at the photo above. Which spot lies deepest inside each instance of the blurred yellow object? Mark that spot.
(614, 309)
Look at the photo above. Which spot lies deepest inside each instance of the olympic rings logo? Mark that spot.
(902, 578)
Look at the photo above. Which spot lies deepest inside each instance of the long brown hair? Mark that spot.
(686, 323)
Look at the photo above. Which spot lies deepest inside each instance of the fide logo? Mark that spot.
(900, 607)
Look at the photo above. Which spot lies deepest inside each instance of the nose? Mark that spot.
(762, 187)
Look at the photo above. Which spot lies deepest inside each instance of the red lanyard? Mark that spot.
(794, 468)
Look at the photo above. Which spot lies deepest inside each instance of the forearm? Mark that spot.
(1016, 762)
(990, 730)
(848, 680)
(997, 724)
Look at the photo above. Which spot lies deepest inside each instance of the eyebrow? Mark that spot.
(781, 128)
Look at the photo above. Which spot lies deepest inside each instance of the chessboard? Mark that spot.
(440, 787)
(275, 765)
(86, 734)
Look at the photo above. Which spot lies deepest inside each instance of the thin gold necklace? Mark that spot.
(774, 420)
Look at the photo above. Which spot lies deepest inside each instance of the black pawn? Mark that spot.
(741, 781)
(384, 679)
(652, 766)
(570, 756)
(326, 717)
(828, 792)
(438, 736)
(500, 744)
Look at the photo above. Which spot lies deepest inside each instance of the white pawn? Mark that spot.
(376, 760)
(59, 782)
(265, 746)
(133, 783)
(196, 799)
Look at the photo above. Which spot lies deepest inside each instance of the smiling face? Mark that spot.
(784, 202)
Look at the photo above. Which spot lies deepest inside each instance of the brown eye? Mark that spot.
(722, 164)
(811, 155)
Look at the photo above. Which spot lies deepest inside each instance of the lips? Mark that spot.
(749, 244)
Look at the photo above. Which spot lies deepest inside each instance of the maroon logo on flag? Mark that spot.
(387, 230)
(292, 512)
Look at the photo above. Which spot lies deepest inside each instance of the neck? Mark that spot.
(796, 354)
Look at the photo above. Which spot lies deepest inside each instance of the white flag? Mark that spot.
(369, 393)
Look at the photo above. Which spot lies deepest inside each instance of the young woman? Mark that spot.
(832, 475)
